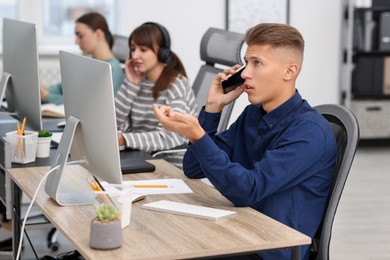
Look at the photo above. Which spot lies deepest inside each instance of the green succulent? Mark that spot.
(107, 213)
(44, 133)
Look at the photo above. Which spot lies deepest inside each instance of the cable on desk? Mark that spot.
(29, 208)
(32, 202)
(25, 232)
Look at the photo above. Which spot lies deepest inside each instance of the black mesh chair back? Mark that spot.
(346, 129)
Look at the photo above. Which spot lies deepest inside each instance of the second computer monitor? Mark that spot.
(90, 131)
(20, 60)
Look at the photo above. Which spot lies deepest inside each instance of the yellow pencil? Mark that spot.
(23, 125)
(96, 187)
(150, 186)
(20, 139)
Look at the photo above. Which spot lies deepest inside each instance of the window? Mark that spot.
(59, 16)
(8, 10)
(55, 18)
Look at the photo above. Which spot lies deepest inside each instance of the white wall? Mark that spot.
(320, 24)
(186, 22)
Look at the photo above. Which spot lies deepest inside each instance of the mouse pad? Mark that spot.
(136, 166)
(134, 161)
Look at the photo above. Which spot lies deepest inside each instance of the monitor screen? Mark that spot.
(20, 61)
(90, 133)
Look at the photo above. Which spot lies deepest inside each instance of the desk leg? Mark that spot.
(16, 228)
(296, 253)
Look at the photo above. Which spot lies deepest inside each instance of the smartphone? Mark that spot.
(233, 81)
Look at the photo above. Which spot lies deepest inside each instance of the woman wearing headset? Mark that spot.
(154, 74)
(94, 39)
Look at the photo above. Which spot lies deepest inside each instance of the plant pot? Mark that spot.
(43, 147)
(106, 235)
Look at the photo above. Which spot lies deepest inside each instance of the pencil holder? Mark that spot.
(23, 147)
(122, 200)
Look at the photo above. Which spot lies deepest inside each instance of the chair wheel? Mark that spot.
(54, 246)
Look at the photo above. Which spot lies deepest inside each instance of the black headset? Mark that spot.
(164, 53)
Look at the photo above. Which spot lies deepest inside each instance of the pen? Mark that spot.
(151, 186)
(98, 183)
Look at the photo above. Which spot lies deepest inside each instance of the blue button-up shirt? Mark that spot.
(279, 163)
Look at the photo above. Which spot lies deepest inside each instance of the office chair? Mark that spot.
(218, 49)
(346, 130)
(121, 49)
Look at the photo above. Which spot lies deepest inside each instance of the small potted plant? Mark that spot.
(106, 230)
(43, 145)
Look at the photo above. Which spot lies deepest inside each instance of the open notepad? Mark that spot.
(53, 110)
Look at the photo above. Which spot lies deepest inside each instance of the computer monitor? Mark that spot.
(20, 80)
(90, 133)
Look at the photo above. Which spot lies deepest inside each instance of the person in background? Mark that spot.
(95, 39)
(279, 155)
(154, 74)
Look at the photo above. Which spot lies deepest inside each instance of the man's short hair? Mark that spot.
(276, 35)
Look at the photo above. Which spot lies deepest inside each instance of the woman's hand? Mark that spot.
(132, 74)
(121, 140)
(44, 92)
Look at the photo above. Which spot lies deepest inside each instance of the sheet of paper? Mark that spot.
(174, 186)
(207, 181)
(56, 137)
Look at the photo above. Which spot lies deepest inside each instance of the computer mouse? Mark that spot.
(138, 197)
(61, 124)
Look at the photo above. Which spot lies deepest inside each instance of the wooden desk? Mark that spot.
(157, 235)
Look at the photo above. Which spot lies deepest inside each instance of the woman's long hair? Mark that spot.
(97, 21)
(149, 35)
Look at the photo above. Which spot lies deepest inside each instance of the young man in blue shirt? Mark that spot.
(279, 155)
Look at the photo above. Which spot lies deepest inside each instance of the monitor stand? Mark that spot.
(3, 84)
(53, 182)
(5, 116)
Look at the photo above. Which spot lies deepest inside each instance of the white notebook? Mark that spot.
(188, 210)
(53, 110)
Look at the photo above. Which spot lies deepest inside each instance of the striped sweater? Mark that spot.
(135, 116)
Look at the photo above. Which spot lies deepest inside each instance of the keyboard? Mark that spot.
(188, 210)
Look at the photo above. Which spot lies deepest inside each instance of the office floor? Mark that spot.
(39, 241)
(361, 228)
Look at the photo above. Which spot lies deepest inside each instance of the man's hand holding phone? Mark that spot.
(217, 98)
(233, 81)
